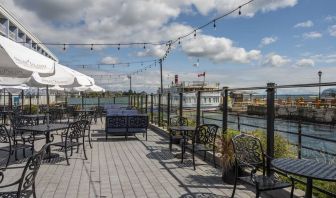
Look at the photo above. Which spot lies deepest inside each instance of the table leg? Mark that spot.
(309, 188)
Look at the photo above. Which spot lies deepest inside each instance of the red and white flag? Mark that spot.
(200, 75)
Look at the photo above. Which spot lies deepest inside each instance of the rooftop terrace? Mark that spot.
(133, 168)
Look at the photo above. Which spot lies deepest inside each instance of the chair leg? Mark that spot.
(193, 157)
(34, 191)
(77, 146)
(235, 183)
(71, 150)
(89, 135)
(292, 189)
(170, 143)
(214, 157)
(66, 154)
(9, 155)
(257, 193)
(84, 150)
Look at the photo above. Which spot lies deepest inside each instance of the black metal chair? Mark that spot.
(74, 137)
(176, 135)
(26, 140)
(13, 147)
(89, 117)
(249, 154)
(204, 140)
(98, 113)
(26, 183)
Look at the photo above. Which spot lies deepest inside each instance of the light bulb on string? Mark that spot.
(64, 47)
(118, 46)
(179, 41)
(91, 47)
(144, 46)
(239, 12)
(195, 34)
(214, 24)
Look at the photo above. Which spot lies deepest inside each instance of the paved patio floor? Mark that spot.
(133, 168)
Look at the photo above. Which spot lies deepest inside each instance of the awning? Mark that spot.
(19, 61)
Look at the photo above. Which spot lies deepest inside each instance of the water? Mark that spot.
(89, 102)
(311, 148)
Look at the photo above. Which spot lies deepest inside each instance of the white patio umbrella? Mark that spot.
(19, 61)
(80, 79)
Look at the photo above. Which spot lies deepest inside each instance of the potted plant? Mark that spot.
(227, 156)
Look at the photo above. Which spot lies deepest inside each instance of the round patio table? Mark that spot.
(184, 130)
(306, 168)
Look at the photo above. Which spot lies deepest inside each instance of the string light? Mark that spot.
(179, 41)
(214, 24)
(91, 47)
(195, 34)
(144, 46)
(239, 12)
(118, 46)
(64, 47)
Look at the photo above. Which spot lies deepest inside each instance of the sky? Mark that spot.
(280, 41)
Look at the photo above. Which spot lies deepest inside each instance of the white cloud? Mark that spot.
(330, 18)
(109, 60)
(221, 7)
(332, 30)
(312, 35)
(268, 40)
(305, 62)
(274, 60)
(305, 24)
(218, 49)
(118, 20)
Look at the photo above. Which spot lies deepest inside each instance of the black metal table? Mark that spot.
(45, 129)
(33, 117)
(306, 168)
(185, 130)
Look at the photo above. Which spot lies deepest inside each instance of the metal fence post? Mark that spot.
(238, 121)
(159, 111)
(198, 109)
(299, 139)
(98, 101)
(114, 99)
(168, 110)
(225, 110)
(151, 108)
(22, 99)
(181, 104)
(146, 104)
(270, 124)
(30, 104)
(82, 100)
(141, 103)
(138, 101)
(129, 100)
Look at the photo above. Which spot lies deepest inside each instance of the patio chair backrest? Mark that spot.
(206, 134)
(30, 171)
(4, 135)
(179, 121)
(248, 150)
(76, 130)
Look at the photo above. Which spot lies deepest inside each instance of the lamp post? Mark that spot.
(319, 74)
(130, 78)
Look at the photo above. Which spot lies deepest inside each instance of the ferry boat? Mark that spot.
(209, 100)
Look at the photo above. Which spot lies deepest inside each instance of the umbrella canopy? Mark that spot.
(19, 61)
(80, 80)
(61, 77)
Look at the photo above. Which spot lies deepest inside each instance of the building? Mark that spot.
(11, 28)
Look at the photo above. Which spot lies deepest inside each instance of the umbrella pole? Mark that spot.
(38, 100)
(4, 93)
(47, 105)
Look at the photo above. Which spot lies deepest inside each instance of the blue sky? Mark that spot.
(281, 41)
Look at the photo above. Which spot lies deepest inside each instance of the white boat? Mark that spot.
(209, 100)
